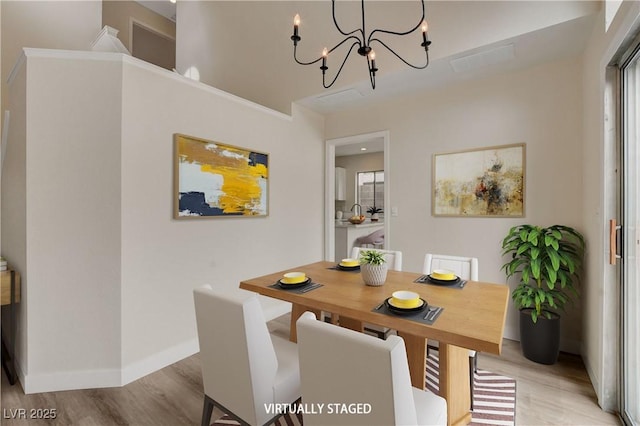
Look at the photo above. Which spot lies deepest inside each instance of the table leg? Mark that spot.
(454, 383)
(416, 356)
(351, 324)
(296, 311)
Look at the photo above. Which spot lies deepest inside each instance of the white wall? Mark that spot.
(73, 221)
(108, 273)
(164, 259)
(14, 221)
(47, 24)
(541, 107)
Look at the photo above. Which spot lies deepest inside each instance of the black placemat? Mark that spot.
(425, 279)
(432, 315)
(299, 290)
(335, 268)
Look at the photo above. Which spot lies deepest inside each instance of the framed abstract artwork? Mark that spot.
(485, 182)
(212, 179)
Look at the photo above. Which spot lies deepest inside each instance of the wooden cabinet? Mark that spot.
(9, 296)
(5, 287)
(341, 184)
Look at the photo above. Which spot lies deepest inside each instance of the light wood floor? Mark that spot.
(560, 394)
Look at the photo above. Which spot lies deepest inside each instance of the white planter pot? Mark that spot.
(375, 217)
(374, 275)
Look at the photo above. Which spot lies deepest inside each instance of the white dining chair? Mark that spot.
(273, 308)
(467, 269)
(375, 239)
(339, 365)
(244, 368)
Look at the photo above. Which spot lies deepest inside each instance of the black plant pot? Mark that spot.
(540, 341)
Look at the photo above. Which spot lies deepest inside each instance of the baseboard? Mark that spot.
(592, 376)
(70, 380)
(570, 346)
(607, 402)
(158, 361)
(107, 378)
(566, 345)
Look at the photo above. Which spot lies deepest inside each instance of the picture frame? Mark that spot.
(214, 179)
(481, 182)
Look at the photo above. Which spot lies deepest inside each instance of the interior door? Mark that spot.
(630, 294)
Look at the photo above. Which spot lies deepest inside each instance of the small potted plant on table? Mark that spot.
(548, 262)
(373, 267)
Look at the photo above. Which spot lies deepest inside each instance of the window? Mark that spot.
(370, 189)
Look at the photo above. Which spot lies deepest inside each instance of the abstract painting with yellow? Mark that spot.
(215, 179)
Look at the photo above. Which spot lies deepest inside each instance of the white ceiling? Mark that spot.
(567, 39)
(161, 7)
(481, 37)
(371, 146)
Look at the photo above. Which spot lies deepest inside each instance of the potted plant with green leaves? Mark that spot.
(375, 213)
(548, 262)
(373, 267)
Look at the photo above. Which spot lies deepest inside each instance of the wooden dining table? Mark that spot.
(472, 317)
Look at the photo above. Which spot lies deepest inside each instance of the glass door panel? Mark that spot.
(631, 207)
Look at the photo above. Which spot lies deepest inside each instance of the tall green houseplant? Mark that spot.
(548, 262)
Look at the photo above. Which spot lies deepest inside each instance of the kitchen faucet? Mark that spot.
(359, 209)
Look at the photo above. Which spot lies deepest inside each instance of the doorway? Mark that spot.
(330, 169)
(152, 46)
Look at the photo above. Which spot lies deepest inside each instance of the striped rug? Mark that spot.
(494, 395)
(494, 399)
(284, 420)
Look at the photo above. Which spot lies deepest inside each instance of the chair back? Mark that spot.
(338, 365)
(374, 238)
(393, 257)
(239, 362)
(464, 267)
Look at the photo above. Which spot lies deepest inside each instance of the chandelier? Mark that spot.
(359, 38)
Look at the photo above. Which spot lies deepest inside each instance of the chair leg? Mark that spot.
(207, 410)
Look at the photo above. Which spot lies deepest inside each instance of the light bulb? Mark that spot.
(425, 27)
(296, 20)
(372, 55)
(325, 52)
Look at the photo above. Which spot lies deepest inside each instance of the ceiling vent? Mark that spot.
(483, 59)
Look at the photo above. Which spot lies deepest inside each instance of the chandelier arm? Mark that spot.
(418, 67)
(295, 48)
(357, 43)
(335, 22)
(370, 39)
